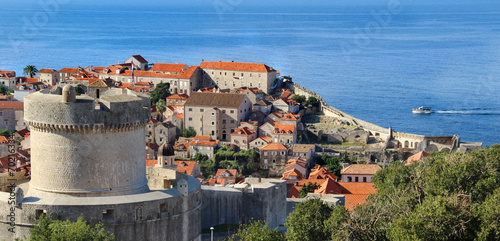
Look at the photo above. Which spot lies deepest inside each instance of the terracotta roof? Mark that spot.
(152, 146)
(290, 116)
(263, 103)
(273, 146)
(417, 157)
(69, 70)
(17, 105)
(320, 172)
(243, 131)
(236, 66)
(198, 137)
(47, 71)
(329, 187)
(232, 172)
(7, 73)
(125, 85)
(140, 59)
(317, 181)
(181, 147)
(22, 132)
(3, 139)
(202, 143)
(98, 84)
(284, 128)
(143, 83)
(293, 192)
(168, 67)
(186, 167)
(303, 148)
(32, 80)
(215, 99)
(180, 116)
(151, 163)
(353, 200)
(292, 172)
(361, 169)
(152, 121)
(178, 97)
(357, 187)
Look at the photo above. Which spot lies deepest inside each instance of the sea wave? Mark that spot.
(469, 112)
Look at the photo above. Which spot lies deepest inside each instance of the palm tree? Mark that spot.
(31, 70)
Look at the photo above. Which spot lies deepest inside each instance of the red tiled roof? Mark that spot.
(7, 73)
(179, 115)
(152, 146)
(320, 172)
(47, 71)
(203, 143)
(232, 172)
(3, 139)
(235, 66)
(243, 131)
(290, 116)
(198, 137)
(329, 187)
(353, 200)
(140, 59)
(17, 105)
(361, 169)
(23, 132)
(273, 146)
(317, 181)
(186, 167)
(267, 138)
(284, 128)
(152, 121)
(32, 80)
(168, 67)
(125, 85)
(293, 192)
(151, 163)
(144, 83)
(293, 172)
(69, 70)
(417, 157)
(178, 97)
(357, 188)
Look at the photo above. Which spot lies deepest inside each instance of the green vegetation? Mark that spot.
(30, 70)
(307, 188)
(257, 231)
(6, 133)
(188, 132)
(79, 90)
(161, 106)
(307, 221)
(46, 229)
(3, 90)
(449, 197)
(246, 162)
(299, 98)
(160, 92)
(332, 163)
(312, 100)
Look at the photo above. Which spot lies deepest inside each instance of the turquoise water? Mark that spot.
(444, 57)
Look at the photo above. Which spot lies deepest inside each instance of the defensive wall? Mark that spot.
(410, 141)
(265, 200)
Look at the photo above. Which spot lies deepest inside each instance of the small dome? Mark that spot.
(166, 150)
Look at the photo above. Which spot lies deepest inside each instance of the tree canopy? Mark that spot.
(188, 132)
(306, 221)
(257, 231)
(30, 70)
(307, 188)
(312, 100)
(299, 98)
(46, 229)
(160, 92)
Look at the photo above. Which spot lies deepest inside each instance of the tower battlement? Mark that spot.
(114, 111)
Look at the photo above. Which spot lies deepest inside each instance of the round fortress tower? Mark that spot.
(83, 146)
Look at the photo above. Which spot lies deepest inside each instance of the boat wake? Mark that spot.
(469, 112)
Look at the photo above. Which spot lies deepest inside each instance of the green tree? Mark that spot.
(307, 188)
(6, 132)
(257, 231)
(160, 92)
(188, 132)
(299, 98)
(79, 89)
(30, 70)
(207, 167)
(306, 222)
(331, 163)
(46, 229)
(3, 90)
(312, 100)
(161, 106)
(489, 216)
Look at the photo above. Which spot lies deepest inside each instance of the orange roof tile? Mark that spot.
(232, 172)
(7, 73)
(317, 181)
(17, 105)
(293, 192)
(293, 172)
(353, 200)
(417, 157)
(3, 139)
(179, 115)
(361, 169)
(329, 187)
(168, 67)
(178, 97)
(273, 146)
(321, 173)
(69, 70)
(236, 66)
(198, 137)
(186, 167)
(47, 71)
(32, 80)
(203, 143)
(267, 138)
(284, 128)
(290, 116)
(152, 121)
(242, 131)
(143, 83)
(151, 163)
(358, 187)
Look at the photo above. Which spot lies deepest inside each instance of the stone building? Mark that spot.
(264, 106)
(12, 115)
(260, 142)
(165, 132)
(169, 68)
(228, 75)
(203, 145)
(138, 61)
(66, 73)
(285, 134)
(87, 159)
(216, 114)
(242, 137)
(49, 76)
(359, 172)
(8, 79)
(274, 156)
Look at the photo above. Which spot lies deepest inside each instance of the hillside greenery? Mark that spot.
(229, 157)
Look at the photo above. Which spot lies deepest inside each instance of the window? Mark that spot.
(224, 121)
(213, 123)
(232, 111)
(234, 74)
(225, 73)
(163, 207)
(202, 110)
(265, 154)
(241, 74)
(250, 74)
(364, 179)
(224, 111)
(274, 161)
(39, 212)
(213, 132)
(259, 75)
(356, 179)
(213, 113)
(349, 179)
(212, 72)
(232, 121)
(107, 214)
(190, 119)
(190, 109)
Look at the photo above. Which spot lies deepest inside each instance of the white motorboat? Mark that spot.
(422, 110)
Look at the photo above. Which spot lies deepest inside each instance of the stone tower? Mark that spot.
(166, 156)
(87, 147)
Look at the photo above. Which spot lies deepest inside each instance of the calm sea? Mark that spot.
(374, 62)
